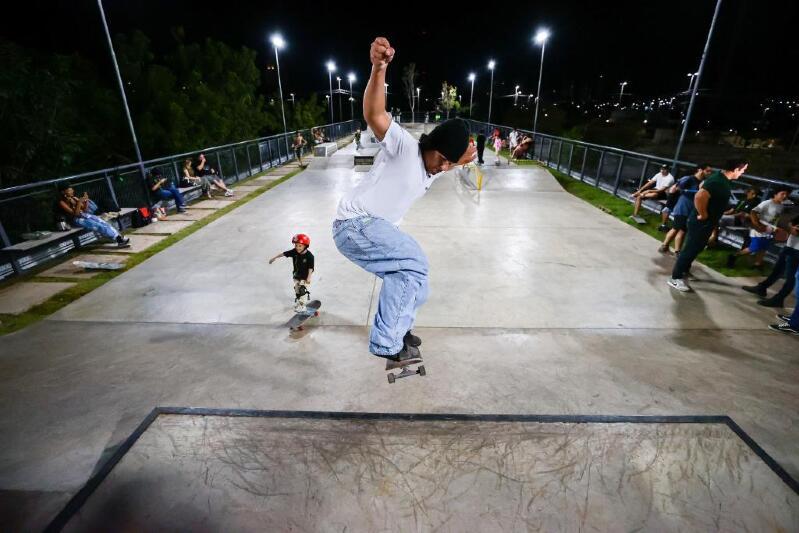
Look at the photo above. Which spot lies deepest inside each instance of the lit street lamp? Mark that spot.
(621, 91)
(277, 43)
(491, 65)
(331, 67)
(340, 115)
(540, 38)
(351, 78)
(691, 75)
(385, 86)
(471, 96)
(418, 99)
(515, 95)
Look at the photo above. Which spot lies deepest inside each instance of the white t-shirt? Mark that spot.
(513, 139)
(768, 213)
(793, 242)
(397, 179)
(663, 182)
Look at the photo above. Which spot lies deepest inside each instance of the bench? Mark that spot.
(324, 149)
(365, 158)
(28, 254)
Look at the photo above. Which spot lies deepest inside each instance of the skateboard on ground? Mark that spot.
(311, 309)
(88, 265)
(639, 220)
(406, 367)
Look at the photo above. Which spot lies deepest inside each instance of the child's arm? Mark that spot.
(278, 256)
(308, 279)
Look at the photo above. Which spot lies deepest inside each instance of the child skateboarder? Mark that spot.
(303, 268)
(365, 230)
(358, 139)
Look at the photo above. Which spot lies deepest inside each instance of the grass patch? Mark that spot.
(12, 323)
(715, 258)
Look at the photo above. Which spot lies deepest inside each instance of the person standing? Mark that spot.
(787, 263)
(710, 202)
(481, 146)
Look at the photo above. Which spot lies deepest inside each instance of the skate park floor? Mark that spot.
(540, 305)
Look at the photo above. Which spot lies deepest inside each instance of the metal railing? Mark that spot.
(31, 207)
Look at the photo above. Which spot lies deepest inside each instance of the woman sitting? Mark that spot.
(190, 180)
(76, 211)
(207, 171)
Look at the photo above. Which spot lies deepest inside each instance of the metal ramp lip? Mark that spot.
(74, 505)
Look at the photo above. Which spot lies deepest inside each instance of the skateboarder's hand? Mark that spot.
(381, 53)
(468, 156)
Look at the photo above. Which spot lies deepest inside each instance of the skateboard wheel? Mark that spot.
(421, 370)
(391, 378)
(316, 313)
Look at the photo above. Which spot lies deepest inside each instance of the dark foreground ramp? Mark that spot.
(213, 470)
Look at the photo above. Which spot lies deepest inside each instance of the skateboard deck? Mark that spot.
(407, 369)
(311, 309)
(88, 265)
(639, 220)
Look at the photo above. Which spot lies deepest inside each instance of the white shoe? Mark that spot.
(679, 284)
(228, 193)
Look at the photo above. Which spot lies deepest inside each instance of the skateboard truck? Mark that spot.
(406, 370)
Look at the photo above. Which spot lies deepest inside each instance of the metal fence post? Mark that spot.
(599, 168)
(571, 153)
(585, 159)
(643, 173)
(260, 157)
(235, 163)
(249, 160)
(219, 165)
(618, 176)
(549, 152)
(111, 190)
(560, 151)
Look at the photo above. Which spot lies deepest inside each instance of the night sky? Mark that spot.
(651, 44)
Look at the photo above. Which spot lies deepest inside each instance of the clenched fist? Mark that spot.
(381, 53)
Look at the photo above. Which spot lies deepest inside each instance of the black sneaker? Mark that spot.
(123, 242)
(663, 228)
(784, 318)
(411, 340)
(407, 352)
(731, 260)
(784, 328)
(770, 302)
(182, 209)
(755, 289)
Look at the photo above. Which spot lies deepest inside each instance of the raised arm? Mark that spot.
(374, 99)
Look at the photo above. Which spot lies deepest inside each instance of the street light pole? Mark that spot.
(540, 38)
(122, 91)
(621, 91)
(351, 78)
(330, 68)
(278, 42)
(418, 99)
(385, 86)
(696, 86)
(340, 114)
(491, 65)
(471, 96)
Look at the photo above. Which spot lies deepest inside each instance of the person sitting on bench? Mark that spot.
(76, 211)
(654, 189)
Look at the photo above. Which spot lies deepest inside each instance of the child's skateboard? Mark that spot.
(88, 265)
(406, 368)
(639, 220)
(311, 309)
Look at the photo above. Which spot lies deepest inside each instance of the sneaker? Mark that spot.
(663, 228)
(411, 340)
(784, 318)
(228, 193)
(770, 302)
(755, 289)
(679, 284)
(731, 260)
(181, 209)
(784, 328)
(664, 248)
(407, 356)
(123, 242)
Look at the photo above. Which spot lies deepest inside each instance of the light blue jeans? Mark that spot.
(97, 225)
(381, 248)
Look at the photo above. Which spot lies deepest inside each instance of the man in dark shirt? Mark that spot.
(481, 146)
(709, 204)
(303, 262)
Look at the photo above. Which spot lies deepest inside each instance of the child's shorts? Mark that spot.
(759, 244)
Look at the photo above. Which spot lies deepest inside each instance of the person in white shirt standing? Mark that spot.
(764, 219)
(654, 189)
(787, 264)
(365, 230)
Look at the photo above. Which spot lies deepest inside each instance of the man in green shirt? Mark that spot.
(710, 202)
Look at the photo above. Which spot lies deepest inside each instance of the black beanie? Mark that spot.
(451, 138)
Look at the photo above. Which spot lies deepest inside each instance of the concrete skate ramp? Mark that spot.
(216, 470)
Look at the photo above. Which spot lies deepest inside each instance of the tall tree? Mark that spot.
(409, 83)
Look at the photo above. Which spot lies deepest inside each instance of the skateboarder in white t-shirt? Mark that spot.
(365, 230)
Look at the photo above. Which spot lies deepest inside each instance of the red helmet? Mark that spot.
(302, 239)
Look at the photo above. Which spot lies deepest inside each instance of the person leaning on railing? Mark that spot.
(77, 212)
(190, 180)
(203, 168)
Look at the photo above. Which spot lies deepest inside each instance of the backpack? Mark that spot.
(141, 217)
